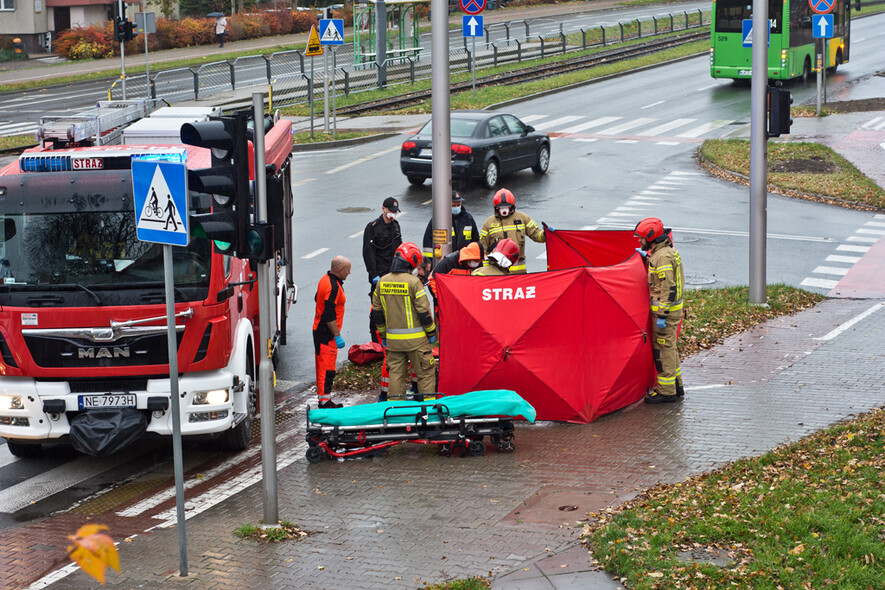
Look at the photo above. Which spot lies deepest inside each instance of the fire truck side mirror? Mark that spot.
(227, 180)
(9, 229)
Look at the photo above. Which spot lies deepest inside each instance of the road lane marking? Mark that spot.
(701, 129)
(845, 259)
(560, 121)
(626, 126)
(590, 124)
(862, 240)
(850, 248)
(661, 129)
(852, 321)
(363, 160)
(316, 252)
(654, 104)
(530, 118)
(356, 234)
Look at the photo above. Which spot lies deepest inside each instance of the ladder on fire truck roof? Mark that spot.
(102, 125)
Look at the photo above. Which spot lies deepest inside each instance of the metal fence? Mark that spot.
(290, 77)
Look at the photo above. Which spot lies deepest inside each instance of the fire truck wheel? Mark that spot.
(238, 437)
(477, 448)
(22, 449)
(315, 454)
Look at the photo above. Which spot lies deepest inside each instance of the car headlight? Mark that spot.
(213, 397)
(11, 402)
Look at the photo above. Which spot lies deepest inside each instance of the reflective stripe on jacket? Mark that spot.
(402, 311)
(665, 280)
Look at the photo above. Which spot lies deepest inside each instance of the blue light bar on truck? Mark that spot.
(98, 158)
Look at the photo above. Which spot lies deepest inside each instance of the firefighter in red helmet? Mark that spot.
(401, 311)
(501, 259)
(507, 222)
(665, 284)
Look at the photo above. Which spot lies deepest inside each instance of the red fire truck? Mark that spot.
(83, 349)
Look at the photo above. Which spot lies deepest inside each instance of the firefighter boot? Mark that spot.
(658, 398)
(680, 391)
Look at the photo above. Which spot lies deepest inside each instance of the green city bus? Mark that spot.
(791, 53)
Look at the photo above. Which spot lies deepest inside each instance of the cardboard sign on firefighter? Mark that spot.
(160, 197)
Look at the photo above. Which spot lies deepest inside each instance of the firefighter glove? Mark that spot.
(339, 341)
(432, 338)
(661, 323)
(642, 253)
(375, 280)
(550, 227)
(384, 342)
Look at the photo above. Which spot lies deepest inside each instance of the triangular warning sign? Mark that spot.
(159, 211)
(313, 43)
(331, 35)
(748, 40)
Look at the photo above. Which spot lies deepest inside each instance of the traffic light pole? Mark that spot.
(266, 275)
(758, 152)
(441, 162)
(122, 13)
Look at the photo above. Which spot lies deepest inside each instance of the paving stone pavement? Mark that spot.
(410, 516)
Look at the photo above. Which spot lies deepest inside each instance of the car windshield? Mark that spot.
(81, 232)
(459, 127)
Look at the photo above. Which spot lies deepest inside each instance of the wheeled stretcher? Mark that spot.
(454, 423)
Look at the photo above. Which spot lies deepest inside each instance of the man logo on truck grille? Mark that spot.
(117, 352)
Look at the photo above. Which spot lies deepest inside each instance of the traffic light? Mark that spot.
(779, 121)
(123, 30)
(227, 180)
(260, 242)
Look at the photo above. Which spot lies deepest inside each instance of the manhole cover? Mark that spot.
(354, 210)
(696, 280)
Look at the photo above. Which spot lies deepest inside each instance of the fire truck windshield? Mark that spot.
(68, 238)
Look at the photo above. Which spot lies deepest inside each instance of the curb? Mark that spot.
(310, 147)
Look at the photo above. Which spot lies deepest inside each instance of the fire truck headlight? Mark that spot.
(213, 397)
(11, 402)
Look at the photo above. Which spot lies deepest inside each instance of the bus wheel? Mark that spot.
(806, 70)
(837, 63)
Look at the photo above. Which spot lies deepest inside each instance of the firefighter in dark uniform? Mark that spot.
(507, 222)
(401, 311)
(381, 238)
(464, 230)
(327, 321)
(665, 283)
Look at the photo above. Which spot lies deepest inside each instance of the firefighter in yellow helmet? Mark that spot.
(401, 311)
(507, 222)
(665, 283)
(500, 260)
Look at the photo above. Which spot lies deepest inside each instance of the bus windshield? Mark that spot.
(730, 15)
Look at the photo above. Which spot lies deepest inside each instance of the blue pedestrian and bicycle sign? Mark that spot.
(331, 31)
(822, 6)
(160, 197)
(822, 26)
(472, 25)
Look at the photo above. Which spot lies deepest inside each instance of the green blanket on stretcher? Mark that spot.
(493, 402)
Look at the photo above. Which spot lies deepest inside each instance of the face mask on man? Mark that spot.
(503, 211)
(456, 210)
(391, 215)
(473, 264)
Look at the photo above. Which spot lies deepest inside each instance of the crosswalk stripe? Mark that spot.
(660, 129)
(18, 128)
(590, 124)
(626, 126)
(850, 248)
(530, 118)
(845, 259)
(830, 270)
(862, 240)
(685, 173)
(586, 139)
(560, 121)
(706, 127)
(875, 232)
(875, 223)
(819, 283)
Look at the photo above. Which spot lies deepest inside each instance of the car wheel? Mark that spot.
(416, 180)
(543, 160)
(490, 179)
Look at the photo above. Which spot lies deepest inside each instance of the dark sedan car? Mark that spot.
(485, 145)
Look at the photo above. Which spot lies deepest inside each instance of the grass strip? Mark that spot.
(807, 515)
(320, 137)
(14, 141)
(800, 169)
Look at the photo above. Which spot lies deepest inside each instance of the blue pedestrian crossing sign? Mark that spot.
(331, 31)
(159, 191)
(822, 25)
(472, 24)
(747, 32)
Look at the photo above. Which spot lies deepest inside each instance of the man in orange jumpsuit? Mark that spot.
(327, 321)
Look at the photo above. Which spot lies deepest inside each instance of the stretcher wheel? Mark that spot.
(507, 446)
(315, 454)
(477, 448)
